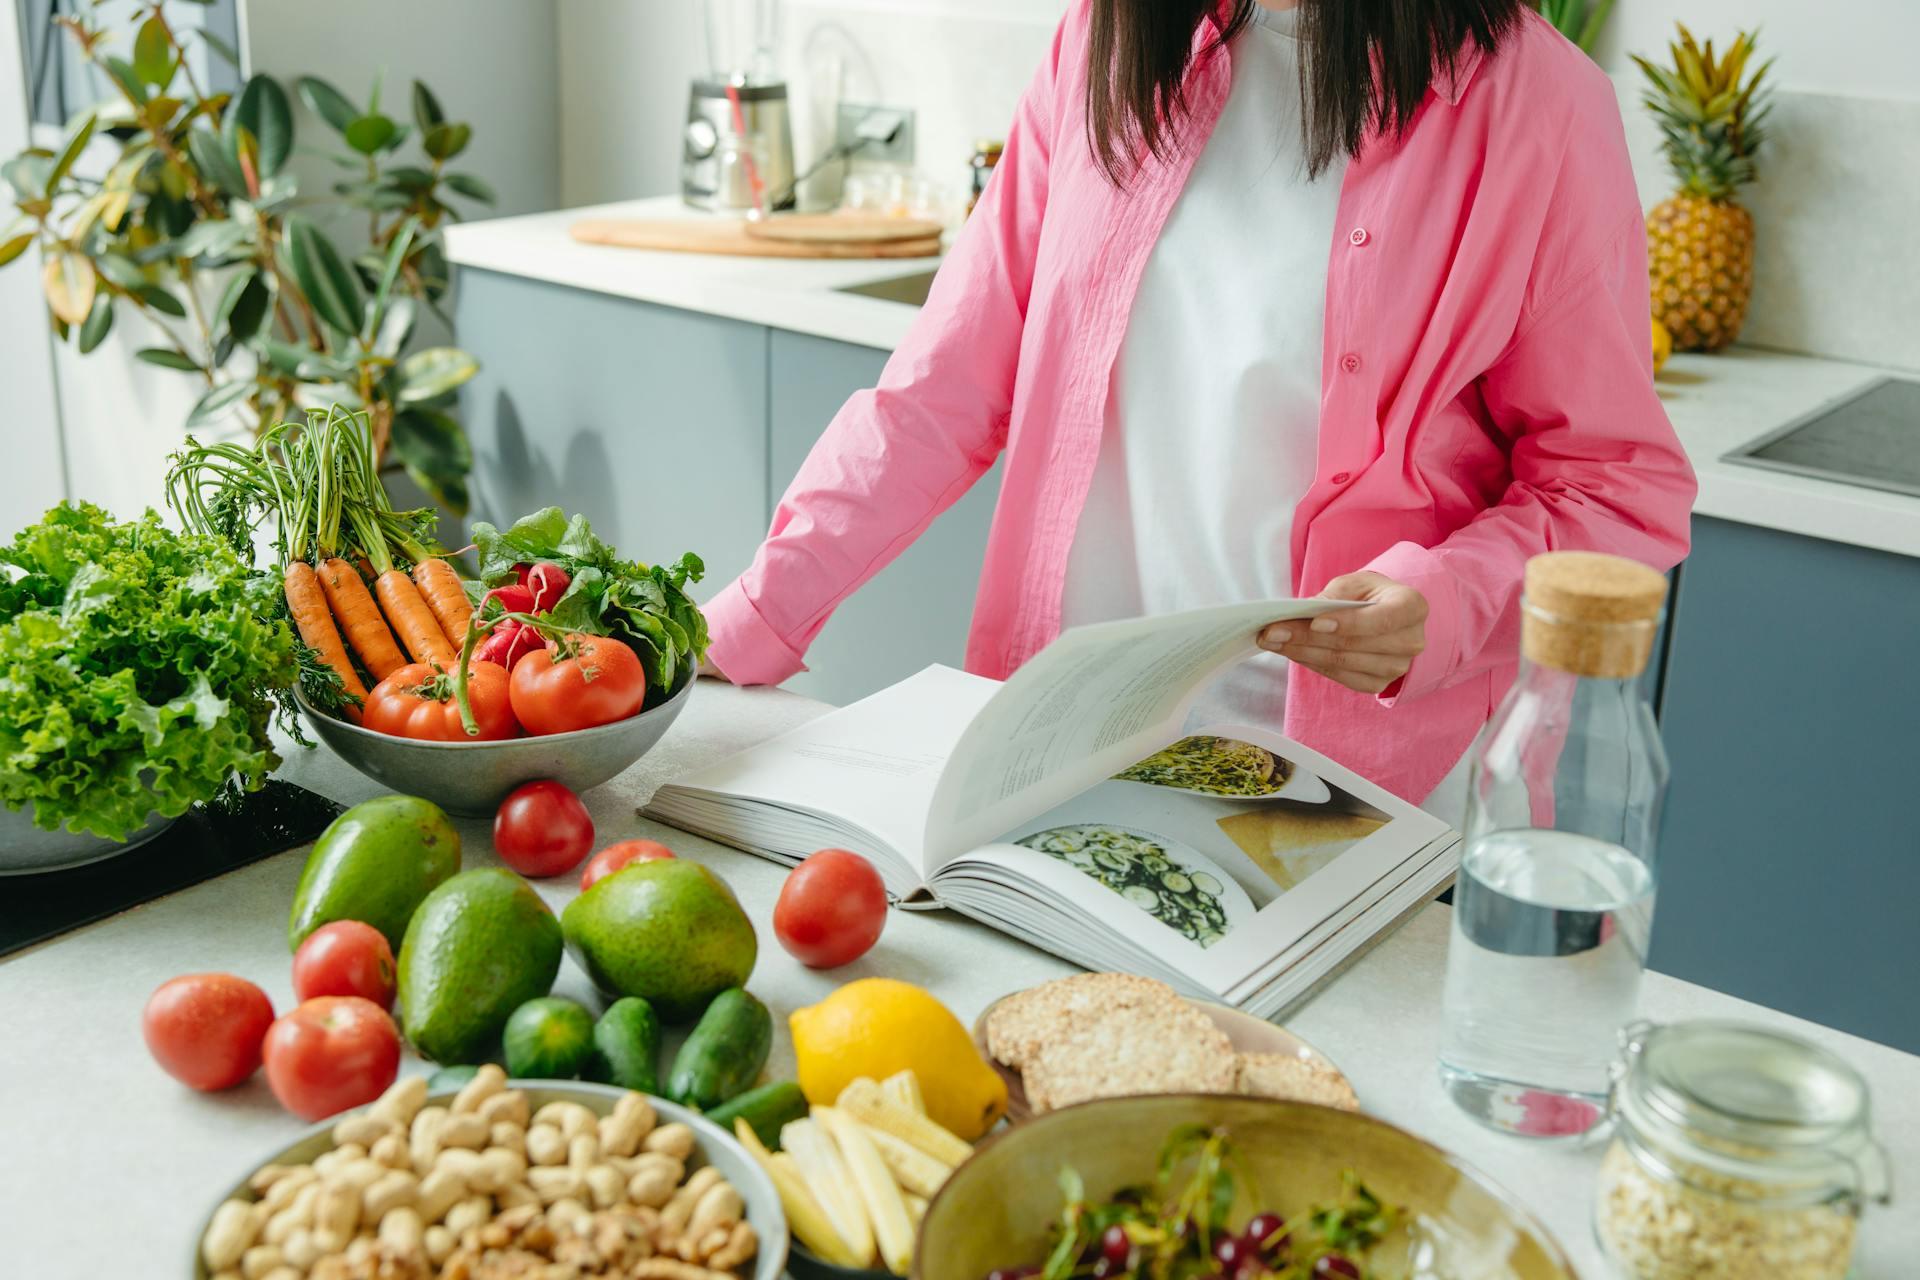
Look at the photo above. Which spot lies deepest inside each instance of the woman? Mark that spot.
(1197, 402)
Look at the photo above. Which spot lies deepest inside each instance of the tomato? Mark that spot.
(542, 829)
(331, 1053)
(204, 1029)
(618, 855)
(417, 702)
(345, 958)
(831, 909)
(577, 682)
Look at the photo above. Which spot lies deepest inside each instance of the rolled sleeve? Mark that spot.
(741, 643)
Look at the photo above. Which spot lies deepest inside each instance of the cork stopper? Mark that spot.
(1590, 614)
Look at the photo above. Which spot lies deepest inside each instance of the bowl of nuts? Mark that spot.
(503, 1180)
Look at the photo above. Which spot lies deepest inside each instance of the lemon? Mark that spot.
(877, 1026)
(1662, 346)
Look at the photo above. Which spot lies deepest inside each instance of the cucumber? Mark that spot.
(724, 1053)
(626, 1046)
(764, 1109)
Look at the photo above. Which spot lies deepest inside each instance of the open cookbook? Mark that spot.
(1074, 808)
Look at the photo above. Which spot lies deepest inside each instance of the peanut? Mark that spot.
(497, 1168)
(259, 1260)
(299, 1250)
(566, 1214)
(741, 1245)
(468, 1214)
(571, 1117)
(509, 1105)
(719, 1206)
(546, 1144)
(632, 1119)
(516, 1195)
(395, 1188)
(329, 1242)
(284, 1189)
(298, 1213)
(424, 1138)
(606, 1185)
(364, 1129)
(464, 1129)
(460, 1162)
(282, 1273)
(402, 1101)
(508, 1136)
(555, 1184)
(267, 1174)
(401, 1228)
(235, 1226)
(652, 1186)
(392, 1152)
(438, 1242)
(583, 1151)
(675, 1140)
(486, 1082)
(439, 1191)
(358, 1174)
(337, 1211)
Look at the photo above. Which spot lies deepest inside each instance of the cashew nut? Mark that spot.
(674, 1140)
(464, 1129)
(546, 1144)
(486, 1082)
(508, 1106)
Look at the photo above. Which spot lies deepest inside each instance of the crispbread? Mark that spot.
(1282, 1075)
(1149, 1044)
(1020, 1024)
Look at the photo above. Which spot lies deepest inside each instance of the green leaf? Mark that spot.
(69, 152)
(11, 249)
(316, 366)
(166, 359)
(99, 323)
(327, 102)
(323, 277)
(471, 187)
(448, 491)
(430, 374)
(70, 285)
(219, 397)
(284, 356)
(153, 53)
(432, 443)
(210, 238)
(27, 173)
(215, 162)
(371, 134)
(447, 140)
(389, 272)
(426, 107)
(263, 110)
(395, 328)
(160, 300)
(226, 51)
(121, 270)
(409, 177)
(126, 77)
(244, 306)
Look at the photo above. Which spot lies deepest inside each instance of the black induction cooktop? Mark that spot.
(1869, 437)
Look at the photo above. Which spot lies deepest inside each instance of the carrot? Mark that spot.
(413, 621)
(308, 603)
(360, 618)
(446, 597)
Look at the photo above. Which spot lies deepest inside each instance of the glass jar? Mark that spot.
(1553, 905)
(1739, 1153)
(986, 155)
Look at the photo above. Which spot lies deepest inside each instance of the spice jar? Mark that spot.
(1739, 1153)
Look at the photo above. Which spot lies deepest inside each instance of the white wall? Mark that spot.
(1861, 48)
(624, 68)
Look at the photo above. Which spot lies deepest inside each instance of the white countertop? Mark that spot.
(1716, 402)
(108, 1168)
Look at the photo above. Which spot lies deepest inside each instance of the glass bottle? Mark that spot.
(986, 154)
(1554, 901)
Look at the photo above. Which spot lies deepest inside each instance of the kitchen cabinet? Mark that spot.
(650, 420)
(675, 430)
(916, 610)
(1790, 849)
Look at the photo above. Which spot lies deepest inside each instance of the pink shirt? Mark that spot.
(1487, 389)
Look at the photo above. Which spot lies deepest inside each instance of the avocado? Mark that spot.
(668, 931)
(480, 946)
(626, 1046)
(374, 864)
(547, 1038)
(724, 1053)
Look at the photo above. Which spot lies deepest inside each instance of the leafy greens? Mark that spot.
(138, 671)
(644, 605)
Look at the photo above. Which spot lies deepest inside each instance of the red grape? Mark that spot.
(1334, 1264)
(1267, 1232)
(1230, 1252)
(1115, 1247)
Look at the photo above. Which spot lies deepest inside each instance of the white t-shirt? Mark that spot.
(1213, 414)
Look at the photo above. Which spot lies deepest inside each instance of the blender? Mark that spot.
(737, 149)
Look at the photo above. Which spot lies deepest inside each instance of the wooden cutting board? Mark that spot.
(841, 228)
(697, 235)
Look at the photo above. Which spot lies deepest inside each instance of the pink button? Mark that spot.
(1341, 477)
(1350, 362)
(1358, 237)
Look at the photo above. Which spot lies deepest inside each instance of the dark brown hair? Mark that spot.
(1363, 63)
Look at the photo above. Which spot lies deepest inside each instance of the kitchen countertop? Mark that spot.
(109, 1167)
(1716, 402)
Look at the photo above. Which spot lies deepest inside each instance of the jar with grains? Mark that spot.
(1739, 1153)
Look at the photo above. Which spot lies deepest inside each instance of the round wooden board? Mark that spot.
(1247, 1033)
(840, 228)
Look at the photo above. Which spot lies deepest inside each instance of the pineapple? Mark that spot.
(1700, 240)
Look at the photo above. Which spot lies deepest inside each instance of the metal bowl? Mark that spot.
(26, 849)
(472, 778)
(716, 1147)
(996, 1209)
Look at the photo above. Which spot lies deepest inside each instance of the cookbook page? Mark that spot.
(1217, 853)
(874, 763)
(1092, 702)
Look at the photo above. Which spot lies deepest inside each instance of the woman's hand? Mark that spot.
(1365, 649)
(712, 672)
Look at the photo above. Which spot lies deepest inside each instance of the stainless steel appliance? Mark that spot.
(737, 150)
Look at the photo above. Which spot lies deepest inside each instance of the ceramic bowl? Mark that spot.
(716, 1148)
(472, 778)
(996, 1210)
(26, 849)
